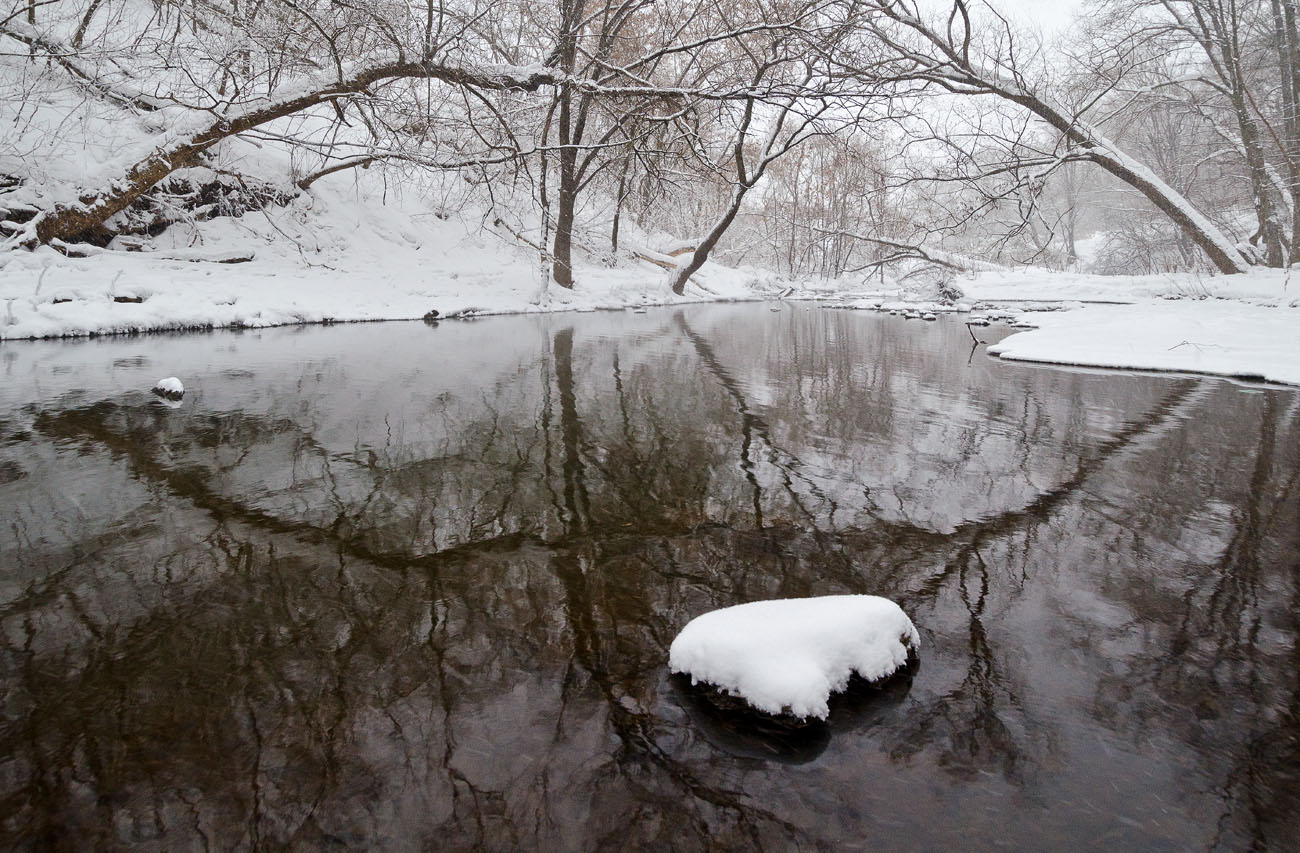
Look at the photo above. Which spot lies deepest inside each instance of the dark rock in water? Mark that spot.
(732, 725)
(740, 710)
(744, 732)
(741, 715)
(431, 315)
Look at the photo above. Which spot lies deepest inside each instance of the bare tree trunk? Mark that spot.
(742, 185)
(567, 189)
(1217, 26)
(1288, 50)
(701, 253)
(544, 194)
(1206, 235)
(1269, 229)
(1100, 150)
(790, 249)
(562, 269)
(80, 35)
(1071, 218)
(1213, 242)
(618, 207)
(746, 177)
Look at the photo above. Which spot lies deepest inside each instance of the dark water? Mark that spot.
(402, 587)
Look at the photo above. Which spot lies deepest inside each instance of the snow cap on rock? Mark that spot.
(170, 388)
(789, 655)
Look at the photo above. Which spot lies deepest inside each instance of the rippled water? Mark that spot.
(397, 586)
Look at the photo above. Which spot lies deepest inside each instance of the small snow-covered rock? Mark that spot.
(169, 388)
(786, 656)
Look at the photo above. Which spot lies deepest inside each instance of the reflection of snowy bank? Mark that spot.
(1213, 336)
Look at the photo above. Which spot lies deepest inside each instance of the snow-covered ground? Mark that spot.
(1217, 337)
(1245, 326)
(1268, 287)
(342, 254)
(789, 655)
(329, 256)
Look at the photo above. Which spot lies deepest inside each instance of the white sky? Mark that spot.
(1050, 15)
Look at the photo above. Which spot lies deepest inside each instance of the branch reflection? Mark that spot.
(415, 614)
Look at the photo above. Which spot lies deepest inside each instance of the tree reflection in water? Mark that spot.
(413, 602)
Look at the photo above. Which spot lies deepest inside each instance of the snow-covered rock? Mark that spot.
(169, 388)
(786, 656)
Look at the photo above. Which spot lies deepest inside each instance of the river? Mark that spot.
(404, 586)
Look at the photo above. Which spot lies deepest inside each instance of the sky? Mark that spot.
(1048, 14)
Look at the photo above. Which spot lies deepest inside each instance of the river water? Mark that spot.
(403, 586)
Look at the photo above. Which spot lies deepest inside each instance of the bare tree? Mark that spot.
(1221, 69)
(956, 53)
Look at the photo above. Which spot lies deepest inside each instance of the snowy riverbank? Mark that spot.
(1241, 326)
(328, 258)
(1215, 337)
(1245, 326)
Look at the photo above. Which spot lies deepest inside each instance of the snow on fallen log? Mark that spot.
(786, 656)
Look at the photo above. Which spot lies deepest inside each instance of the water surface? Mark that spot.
(397, 586)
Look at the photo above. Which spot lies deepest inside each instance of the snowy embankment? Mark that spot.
(1245, 326)
(1262, 286)
(787, 656)
(339, 254)
(1215, 337)
(331, 256)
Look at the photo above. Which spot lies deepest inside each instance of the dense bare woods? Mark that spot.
(824, 137)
